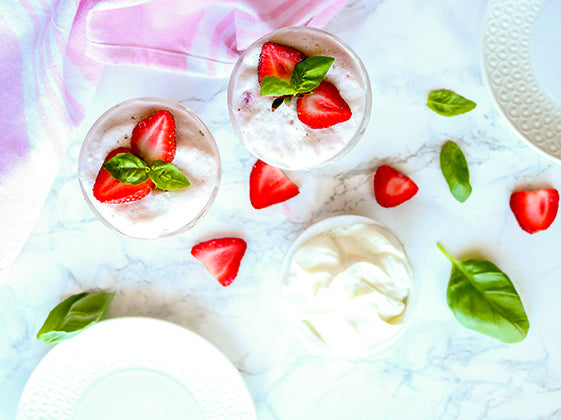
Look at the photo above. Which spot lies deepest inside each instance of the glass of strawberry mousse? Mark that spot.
(316, 127)
(158, 132)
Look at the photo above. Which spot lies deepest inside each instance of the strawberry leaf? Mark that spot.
(127, 168)
(167, 176)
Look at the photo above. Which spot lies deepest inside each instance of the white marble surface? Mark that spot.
(437, 369)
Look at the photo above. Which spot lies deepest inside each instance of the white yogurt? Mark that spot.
(347, 287)
(279, 138)
(161, 213)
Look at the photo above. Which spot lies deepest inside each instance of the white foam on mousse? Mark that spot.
(161, 212)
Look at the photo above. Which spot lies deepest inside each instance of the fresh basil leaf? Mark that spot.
(127, 168)
(273, 86)
(455, 170)
(73, 315)
(483, 298)
(448, 103)
(309, 73)
(166, 176)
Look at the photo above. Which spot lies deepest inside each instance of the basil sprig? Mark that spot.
(448, 103)
(483, 298)
(73, 315)
(307, 75)
(455, 170)
(130, 169)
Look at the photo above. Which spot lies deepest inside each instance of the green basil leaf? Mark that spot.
(273, 86)
(166, 176)
(73, 315)
(448, 103)
(127, 168)
(483, 298)
(309, 73)
(455, 170)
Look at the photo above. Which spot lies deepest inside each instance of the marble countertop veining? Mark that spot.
(437, 369)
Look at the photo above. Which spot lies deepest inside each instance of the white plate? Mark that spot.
(135, 368)
(521, 55)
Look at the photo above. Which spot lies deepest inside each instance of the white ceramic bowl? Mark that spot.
(310, 340)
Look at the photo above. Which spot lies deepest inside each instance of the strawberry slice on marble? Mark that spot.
(535, 210)
(221, 257)
(269, 185)
(392, 188)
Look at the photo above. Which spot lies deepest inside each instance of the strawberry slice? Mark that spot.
(110, 190)
(154, 137)
(221, 257)
(391, 187)
(535, 210)
(278, 60)
(323, 107)
(269, 185)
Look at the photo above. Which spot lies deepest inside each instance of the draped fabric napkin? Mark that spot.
(51, 58)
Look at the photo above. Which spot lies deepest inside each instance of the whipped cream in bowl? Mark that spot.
(278, 137)
(347, 287)
(160, 213)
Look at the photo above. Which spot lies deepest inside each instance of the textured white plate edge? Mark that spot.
(235, 370)
(515, 129)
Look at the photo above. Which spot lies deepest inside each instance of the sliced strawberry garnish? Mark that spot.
(154, 137)
(391, 187)
(109, 190)
(221, 257)
(269, 185)
(535, 210)
(278, 60)
(323, 107)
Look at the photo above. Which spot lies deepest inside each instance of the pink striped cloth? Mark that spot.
(51, 58)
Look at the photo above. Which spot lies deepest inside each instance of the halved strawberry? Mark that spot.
(323, 107)
(278, 60)
(535, 210)
(109, 190)
(221, 257)
(391, 187)
(154, 137)
(269, 185)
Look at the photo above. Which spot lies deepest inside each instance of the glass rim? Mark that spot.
(316, 346)
(165, 103)
(367, 102)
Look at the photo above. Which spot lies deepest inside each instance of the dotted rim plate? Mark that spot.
(508, 71)
(65, 374)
